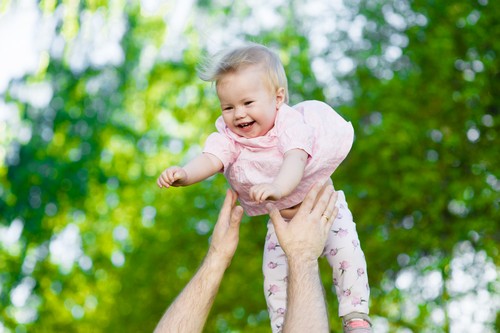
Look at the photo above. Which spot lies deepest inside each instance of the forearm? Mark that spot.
(201, 167)
(291, 171)
(190, 309)
(306, 307)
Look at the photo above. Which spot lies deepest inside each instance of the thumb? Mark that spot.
(236, 215)
(275, 215)
(176, 174)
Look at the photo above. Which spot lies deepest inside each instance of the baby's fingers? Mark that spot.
(170, 176)
(263, 195)
(253, 193)
(163, 180)
(257, 193)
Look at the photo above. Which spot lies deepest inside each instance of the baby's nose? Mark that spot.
(240, 112)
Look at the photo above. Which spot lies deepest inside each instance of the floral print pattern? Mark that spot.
(345, 256)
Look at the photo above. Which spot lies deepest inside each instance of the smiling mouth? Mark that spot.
(243, 125)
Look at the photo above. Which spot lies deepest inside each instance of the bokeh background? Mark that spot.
(98, 97)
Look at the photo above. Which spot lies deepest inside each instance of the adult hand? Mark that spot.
(226, 232)
(305, 235)
(189, 311)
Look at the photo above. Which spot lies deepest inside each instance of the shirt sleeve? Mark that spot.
(293, 132)
(221, 147)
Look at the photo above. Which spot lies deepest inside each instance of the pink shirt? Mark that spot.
(312, 126)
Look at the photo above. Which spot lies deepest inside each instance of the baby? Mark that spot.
(268, 150)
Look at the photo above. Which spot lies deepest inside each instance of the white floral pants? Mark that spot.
(344, 254)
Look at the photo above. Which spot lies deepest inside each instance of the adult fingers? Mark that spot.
(330, 207)
(233, 195)
(333, 216)
(321, 205)
(275, 216)
(229, 201)
(308, 203)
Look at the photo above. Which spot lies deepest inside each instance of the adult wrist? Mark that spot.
(215, 259)
(302, 260)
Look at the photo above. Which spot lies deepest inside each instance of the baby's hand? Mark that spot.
(173, 176)
(262, 192)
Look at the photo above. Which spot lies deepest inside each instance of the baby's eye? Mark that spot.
(248, 103)
(227, 108)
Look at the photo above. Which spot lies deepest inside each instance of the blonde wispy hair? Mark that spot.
(236, 58)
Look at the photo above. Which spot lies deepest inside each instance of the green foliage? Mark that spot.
(422, 178)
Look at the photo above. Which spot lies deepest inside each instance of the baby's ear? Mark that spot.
(280, 97)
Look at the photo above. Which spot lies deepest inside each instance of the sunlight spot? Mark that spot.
(408, 222)
(438, 316)
(473, 134)
(345, 65)
(148, 216)
(74, 154)
(355, 31)
(203, 227)
(410, 310)
(405, 279)
(392, 53)
(19, 295)
(433, 282)
(120, 233)
(458, 207)
(488, 120)
(98, 41)
(493, 181)
(403, 259)
(376, 118)
(118, 258)
(25, 315)
(66, 248)
(32, 257)
(473, 17)
(469, 75)
(394, 19)
(150, 7)
(85, 263)
(20, 50)
(10, 235)
(174, 43)
(77, 311)
(91, 302)
(51, 209)
(38, 95)
(399, 40)
(477, 66)
(112, 200)
(175, 146)
(432, 155)
(436, 135)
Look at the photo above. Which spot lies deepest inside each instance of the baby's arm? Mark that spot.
(289, 176)
(200, 168)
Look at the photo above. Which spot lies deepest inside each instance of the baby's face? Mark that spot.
(248, 103)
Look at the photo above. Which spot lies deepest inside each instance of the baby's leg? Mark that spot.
(274, 267)
(345, 256)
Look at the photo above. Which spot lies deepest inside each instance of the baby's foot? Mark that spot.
(356, 322)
